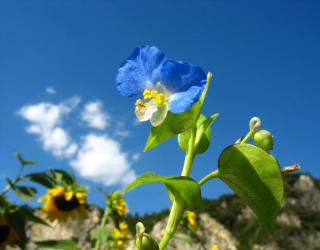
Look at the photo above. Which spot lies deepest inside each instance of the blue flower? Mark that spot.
(166, 85)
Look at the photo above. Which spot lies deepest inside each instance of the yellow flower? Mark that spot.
(8, 236)
(120, 236)
(215, 247)
(59, 203)
(192, 220)
(118, 204)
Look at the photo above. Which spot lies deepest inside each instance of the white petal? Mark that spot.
(160, 115)
(146, 113)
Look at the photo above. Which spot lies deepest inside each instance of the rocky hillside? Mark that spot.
(226, 222)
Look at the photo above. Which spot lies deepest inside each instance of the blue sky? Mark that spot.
(265, 58)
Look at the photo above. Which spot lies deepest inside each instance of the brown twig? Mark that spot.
(290, 169)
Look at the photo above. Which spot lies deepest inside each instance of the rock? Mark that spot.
(304, 184)
(210, 232)
(246, 214)
(308, 194)
(271, 246)
(313, 241)
(76, 229)
(289, 219)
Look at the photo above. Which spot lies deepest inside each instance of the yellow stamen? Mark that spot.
(153, 94)
(140, 105)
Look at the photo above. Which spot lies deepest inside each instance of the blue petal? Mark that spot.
(140, 69)
(182, 101)
(179, 76)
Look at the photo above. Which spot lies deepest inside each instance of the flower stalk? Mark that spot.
(254, 125)
(178, 207)
(104, 219)
(212, 175)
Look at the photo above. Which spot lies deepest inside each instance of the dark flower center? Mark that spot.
(63, 205)
(4, 233)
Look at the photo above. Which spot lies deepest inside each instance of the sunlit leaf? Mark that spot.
(182, 188)
(173, 124)
(203, 135)
(256, 178)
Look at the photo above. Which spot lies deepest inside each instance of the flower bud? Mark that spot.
(147, 243)
(264, 139)
(255, 123)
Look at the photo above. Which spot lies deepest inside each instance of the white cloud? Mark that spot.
(94, 116)
(51, 90)
(95, 157)
(101, 159)
(45, 121)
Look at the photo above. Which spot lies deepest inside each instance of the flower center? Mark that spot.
(63, 205)
(150, 95)
(4, 233)
(154, 106)
(154, 94)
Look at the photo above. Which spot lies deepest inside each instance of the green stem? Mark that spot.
(254, 125)
(174, 219)
(212, 175)
(16, 181)
(190, 154)
(206, 88)
(248, 136)
(178, 207)
(106, 214)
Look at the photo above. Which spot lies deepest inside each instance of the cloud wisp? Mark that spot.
(96, 157)
(94, 116)
(51, 90)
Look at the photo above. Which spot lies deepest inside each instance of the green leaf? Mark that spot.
(58, 244)
(256, 177)
(184, 237)
(203, 135)
(24, 192)
(61, 176)
(101, 234)
(181, 187)
(17, 221)
(41, 178)
(173, 124)
(27, 213)
(24, 161)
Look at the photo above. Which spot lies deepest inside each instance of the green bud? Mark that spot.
(264, 139)
(147, 243)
